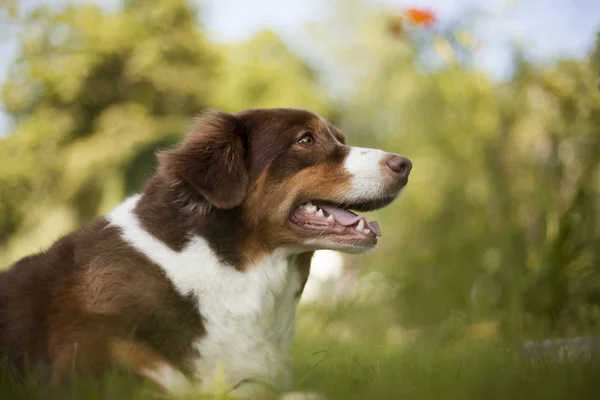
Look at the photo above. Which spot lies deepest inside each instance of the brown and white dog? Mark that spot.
(202, 272)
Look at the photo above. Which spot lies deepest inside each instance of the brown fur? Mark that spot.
(64, 307)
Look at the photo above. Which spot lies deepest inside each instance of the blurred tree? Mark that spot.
(94, 94)
(263, 72)
(501, 215)
(8, 9)
(88, 92)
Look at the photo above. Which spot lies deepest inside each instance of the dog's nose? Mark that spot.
(401, 166)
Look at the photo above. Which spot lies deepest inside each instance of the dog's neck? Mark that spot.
(173, 213)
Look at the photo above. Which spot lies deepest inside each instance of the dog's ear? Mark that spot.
(212, 159)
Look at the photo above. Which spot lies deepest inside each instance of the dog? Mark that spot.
(194, 283)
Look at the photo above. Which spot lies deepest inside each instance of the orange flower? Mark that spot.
(420, 16)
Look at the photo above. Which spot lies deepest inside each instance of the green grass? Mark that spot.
(464, 371)
(379, 372)
(347, 353)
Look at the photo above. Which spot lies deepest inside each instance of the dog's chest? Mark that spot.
(249, 316)
(250, 324)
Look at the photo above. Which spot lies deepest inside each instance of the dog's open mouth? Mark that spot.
(326, 218)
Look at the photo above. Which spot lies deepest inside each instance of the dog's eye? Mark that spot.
(307, 138)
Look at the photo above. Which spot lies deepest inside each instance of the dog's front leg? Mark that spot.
(148, 364)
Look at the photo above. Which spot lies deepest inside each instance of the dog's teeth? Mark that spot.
(330, 219)
(310, 208)
(320, 213)
(366, 231)
(360, 226)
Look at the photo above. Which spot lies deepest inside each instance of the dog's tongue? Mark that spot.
(348, 218)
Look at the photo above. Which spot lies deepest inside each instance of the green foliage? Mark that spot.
(264, 73)
(501, 214)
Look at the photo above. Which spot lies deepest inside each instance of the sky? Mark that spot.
(545, 29)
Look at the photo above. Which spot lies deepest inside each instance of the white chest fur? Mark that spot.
(249, 316)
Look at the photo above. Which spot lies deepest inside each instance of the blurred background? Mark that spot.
(496, 102)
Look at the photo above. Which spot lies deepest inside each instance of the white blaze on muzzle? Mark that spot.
(365, 166)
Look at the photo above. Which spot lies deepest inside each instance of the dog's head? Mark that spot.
(290, 175)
